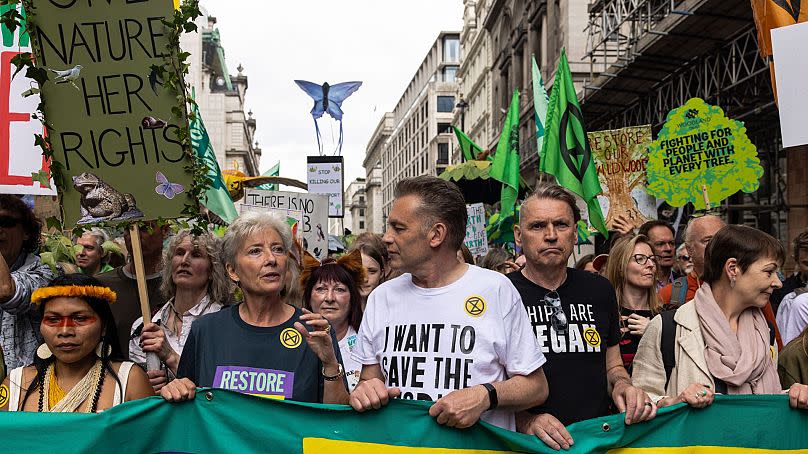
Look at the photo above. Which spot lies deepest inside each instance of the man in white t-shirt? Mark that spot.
(445, 331)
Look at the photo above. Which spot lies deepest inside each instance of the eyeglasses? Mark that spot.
(7, 222)
(642, 259)
(559, 320)
(685, 258)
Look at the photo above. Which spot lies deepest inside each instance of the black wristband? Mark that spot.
(492, 396)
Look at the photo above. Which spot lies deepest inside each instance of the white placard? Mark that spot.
(325, 176)
(315, 214)
(791, 73)
(293, 217)
(476, 238)
(19, 157)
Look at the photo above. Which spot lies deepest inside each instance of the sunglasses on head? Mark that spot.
(7, 222)
(559, 318)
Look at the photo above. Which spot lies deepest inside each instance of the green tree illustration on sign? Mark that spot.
(701, 156)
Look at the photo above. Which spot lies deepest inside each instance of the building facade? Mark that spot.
(355, 207)
(373, 174)
(220, 97)
(421, 136)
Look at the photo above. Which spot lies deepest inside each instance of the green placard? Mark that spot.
(701, 156)
(113, 129)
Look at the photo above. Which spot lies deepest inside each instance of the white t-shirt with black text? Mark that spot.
(432, 341)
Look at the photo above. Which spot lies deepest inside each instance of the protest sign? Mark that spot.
(736, 425)
(314, 208)
(476, 238)
(116, 124)
(19, 157)
(701, 156)
(791, 72)
(620, 157)
(325, 176)
(293, 217)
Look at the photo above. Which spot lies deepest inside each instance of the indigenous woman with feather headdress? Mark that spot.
(331, 288)
(76, 369)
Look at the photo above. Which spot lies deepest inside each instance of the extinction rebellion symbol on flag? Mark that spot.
(569, 154)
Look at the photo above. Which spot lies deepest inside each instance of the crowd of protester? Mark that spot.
(525, 341)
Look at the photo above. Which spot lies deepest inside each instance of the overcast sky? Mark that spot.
(380, 43)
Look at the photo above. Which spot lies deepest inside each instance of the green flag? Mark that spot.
(275, 171)
(565, 152)
(470, 149)
(505, 167)
(217, 199)
(540, 102)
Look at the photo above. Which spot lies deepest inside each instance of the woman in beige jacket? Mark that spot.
(722, 341)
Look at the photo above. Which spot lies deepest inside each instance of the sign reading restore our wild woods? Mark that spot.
(115, 124)
(701, 156)
(621, 156)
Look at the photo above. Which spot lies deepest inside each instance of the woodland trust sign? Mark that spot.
(701, 156)
(114, 133)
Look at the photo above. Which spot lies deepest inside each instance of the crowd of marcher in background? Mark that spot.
(524, 341)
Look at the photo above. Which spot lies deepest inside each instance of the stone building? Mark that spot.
(373, 171)
(421, 136)
(220, 96)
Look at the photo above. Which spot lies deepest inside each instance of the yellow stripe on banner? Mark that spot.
(318, 445)
(267, 396)
(704, 450)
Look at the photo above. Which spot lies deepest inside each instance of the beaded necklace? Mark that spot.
(60, 402)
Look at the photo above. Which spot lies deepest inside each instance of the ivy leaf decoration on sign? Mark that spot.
(700, 147)
(42, 177)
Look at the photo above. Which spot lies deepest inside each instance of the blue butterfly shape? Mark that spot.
(167, 189)
(328, 99)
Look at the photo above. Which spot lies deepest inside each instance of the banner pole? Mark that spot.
(706, 197)
(152, 361)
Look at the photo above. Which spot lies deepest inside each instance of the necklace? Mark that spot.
(60, 402)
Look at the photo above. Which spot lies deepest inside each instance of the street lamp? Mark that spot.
(462, 104)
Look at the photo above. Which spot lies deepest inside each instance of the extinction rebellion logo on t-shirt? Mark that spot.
(581, 336)
(274, 384)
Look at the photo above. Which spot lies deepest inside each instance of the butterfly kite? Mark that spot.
(328, 99)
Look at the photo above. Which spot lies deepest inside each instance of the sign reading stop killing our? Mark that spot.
(113, 130)
(701, 156)
(621, 156)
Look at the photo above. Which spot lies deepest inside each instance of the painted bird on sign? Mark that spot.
(69, 75)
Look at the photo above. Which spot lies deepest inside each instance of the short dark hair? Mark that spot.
(745, 244)
(441, 201)
(581, 263)
(800, 244)
(334, 272)
(645, 228)
(31, 225)
(556, 192)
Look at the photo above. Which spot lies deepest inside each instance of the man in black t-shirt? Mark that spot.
(574, 316)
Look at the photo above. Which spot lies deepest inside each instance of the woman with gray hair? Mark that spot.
(195, 284)
(261, 346)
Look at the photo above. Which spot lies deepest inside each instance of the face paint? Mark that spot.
(72, 321)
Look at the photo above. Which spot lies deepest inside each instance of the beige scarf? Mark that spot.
(743, 360)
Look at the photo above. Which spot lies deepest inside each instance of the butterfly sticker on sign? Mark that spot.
(166, 188)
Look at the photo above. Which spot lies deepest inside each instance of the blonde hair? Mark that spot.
(623, 251)
(219, 287)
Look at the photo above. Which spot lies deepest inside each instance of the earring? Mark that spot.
(44, 352)
(732, 283)
(98, 349)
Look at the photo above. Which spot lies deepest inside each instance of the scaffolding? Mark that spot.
(648, 57)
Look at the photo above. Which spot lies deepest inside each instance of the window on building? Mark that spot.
(443, 154)
(451, 49)
(444, 128)
(449, 73)
(441, 170)
(445, 103)
(361, 199)
(361, 225)
(361, 212)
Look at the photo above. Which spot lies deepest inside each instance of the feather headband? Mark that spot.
(352, 263)
(74, 291)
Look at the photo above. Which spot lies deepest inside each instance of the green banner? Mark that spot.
(221, 421)
(115, 134)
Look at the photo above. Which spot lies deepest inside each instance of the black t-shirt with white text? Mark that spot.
(224, 351)
(576, 360)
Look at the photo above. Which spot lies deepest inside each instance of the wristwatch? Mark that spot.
(492, 395)
(333, 377)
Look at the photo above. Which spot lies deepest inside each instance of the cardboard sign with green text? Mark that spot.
(113, 130)
(701, 156)
(621, 156)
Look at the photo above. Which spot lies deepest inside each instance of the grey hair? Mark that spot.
(689, 226)
(218, 284)
(248, 224)
(558, 193)
(101, 235)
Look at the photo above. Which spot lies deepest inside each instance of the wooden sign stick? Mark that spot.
(706, 197)
(152, 361)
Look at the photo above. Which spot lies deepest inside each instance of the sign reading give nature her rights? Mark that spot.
(114, 133)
